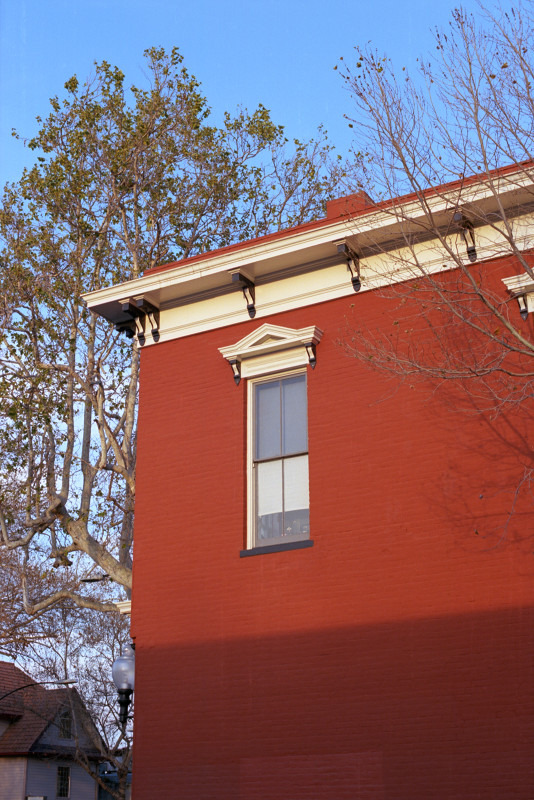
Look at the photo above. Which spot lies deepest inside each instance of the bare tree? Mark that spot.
(123, 180)
(67, 643)
(419, 140)
(17, 629)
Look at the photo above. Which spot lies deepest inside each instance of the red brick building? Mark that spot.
(331, 598)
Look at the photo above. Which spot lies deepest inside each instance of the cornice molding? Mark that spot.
(323, 233)
(519, 284)
(300, 267)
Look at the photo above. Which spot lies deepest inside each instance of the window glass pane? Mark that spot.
(65, 725)
(297, 523)
(268, 434)
(269, 499)
(295, 425)
(63, 782)
(296, 493)
(296, 496)
(269, 487)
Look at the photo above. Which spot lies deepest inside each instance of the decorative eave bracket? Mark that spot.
(141, 316)
(245, 282)
(353, 263)
(467, 232)
(272, 348)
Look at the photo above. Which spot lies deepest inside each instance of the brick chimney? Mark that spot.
(349, 205)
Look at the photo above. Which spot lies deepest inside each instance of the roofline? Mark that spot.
(192, 272)
(367, 229)
(395, 202)
(45, 754)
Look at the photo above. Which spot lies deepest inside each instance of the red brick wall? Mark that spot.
(393, 660)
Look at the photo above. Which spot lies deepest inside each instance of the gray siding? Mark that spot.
(51, 738)
(42, 779)
(13, 778)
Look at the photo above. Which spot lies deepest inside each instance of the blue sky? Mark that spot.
(277, 52)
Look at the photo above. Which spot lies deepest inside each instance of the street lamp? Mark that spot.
(65, 682)
(123, 673)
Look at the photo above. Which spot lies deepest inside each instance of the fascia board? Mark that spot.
(323, 234)
(221, 264)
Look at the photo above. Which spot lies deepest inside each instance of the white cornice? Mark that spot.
(272, 348)
(269, 338)
(255, 253)
(301, 267)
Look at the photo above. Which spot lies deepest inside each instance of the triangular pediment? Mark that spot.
(270, 338)
(272, 348)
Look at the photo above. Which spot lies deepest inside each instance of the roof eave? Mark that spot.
(381, 226)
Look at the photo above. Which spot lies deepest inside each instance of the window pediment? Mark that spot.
(271, 348)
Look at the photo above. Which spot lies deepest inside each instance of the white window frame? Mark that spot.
(268, 353)
(252, 538)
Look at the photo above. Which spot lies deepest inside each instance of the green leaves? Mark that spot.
(124, 179)
(71, 86)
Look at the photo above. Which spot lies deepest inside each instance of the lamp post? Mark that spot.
(123, 673)
(65, 682)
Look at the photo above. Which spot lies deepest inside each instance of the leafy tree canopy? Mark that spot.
(124, 179)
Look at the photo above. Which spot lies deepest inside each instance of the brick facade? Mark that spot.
(394, 659)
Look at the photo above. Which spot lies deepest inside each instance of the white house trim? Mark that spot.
(273, 348)
(301, 267)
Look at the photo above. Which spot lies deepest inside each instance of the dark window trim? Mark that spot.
(65, 724)
(276, 548)
(63, 777)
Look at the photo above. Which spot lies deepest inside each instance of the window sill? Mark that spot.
(276, 548)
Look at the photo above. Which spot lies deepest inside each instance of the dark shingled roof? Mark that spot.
(11, 678)
(30, 711)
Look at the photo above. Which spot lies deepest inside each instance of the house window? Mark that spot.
(65, 725)
(278, 445)
(274, 361)
(63, 782)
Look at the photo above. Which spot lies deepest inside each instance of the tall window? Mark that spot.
(65, 725)
(63, 782)
(280, 460)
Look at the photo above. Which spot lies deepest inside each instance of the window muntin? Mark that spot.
(65, 725)
(280, 460)
(63, 782)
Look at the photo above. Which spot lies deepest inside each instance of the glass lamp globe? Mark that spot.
(123, 669)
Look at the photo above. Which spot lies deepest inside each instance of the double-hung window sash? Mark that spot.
(281, 460)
